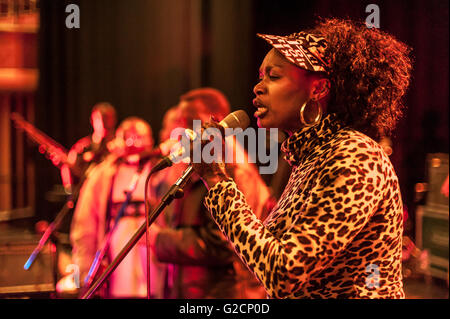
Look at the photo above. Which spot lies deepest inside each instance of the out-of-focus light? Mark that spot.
(138, 143)
(88, 156)
(14, 79)
(435, 162)
(421, 187)
(129, 142)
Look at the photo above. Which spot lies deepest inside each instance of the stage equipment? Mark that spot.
(15, 282)
(432, 227)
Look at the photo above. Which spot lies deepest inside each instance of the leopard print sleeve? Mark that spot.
(326, 228)
(242, 228)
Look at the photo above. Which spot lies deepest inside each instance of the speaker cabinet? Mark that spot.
(432, 228)
(15, 281)
(432, 235)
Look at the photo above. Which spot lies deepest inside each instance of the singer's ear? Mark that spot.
(320, 88)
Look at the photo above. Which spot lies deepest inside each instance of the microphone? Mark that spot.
(139, 158)
(237, 119)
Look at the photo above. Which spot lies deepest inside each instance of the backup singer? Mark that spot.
(101, 198)
(93, 149)
(336, 231)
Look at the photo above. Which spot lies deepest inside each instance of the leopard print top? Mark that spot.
(336, 231)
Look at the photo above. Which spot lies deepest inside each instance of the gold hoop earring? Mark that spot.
(317, 118)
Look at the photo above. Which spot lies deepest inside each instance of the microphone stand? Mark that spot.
(101, 252)
(56, 222)
(176, 191)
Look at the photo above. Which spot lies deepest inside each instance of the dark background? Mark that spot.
(141, 55)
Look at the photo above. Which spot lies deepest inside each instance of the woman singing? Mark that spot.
(336, 231)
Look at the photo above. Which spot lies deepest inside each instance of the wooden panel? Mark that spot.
(5, 153)
(17, 187)
(18, 79)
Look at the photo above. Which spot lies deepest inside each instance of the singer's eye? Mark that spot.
(274, 76)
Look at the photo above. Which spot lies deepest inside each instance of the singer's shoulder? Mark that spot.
(355, 149)
(351, 141)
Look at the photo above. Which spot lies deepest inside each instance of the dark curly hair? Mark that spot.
(369, 75)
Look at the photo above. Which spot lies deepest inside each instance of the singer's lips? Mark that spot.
(261, 108)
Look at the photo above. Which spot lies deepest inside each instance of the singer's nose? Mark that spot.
(259, 88)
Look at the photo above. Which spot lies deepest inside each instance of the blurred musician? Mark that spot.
(100, 200)
(200, 262)
(91, 149)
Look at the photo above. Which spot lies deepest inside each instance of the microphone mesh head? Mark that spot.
(236, 119)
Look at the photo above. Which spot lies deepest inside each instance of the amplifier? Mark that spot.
(432, 235)
(15, 249)
(437, 164)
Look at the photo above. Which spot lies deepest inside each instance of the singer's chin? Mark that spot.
(263, 122)
(258, 122)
